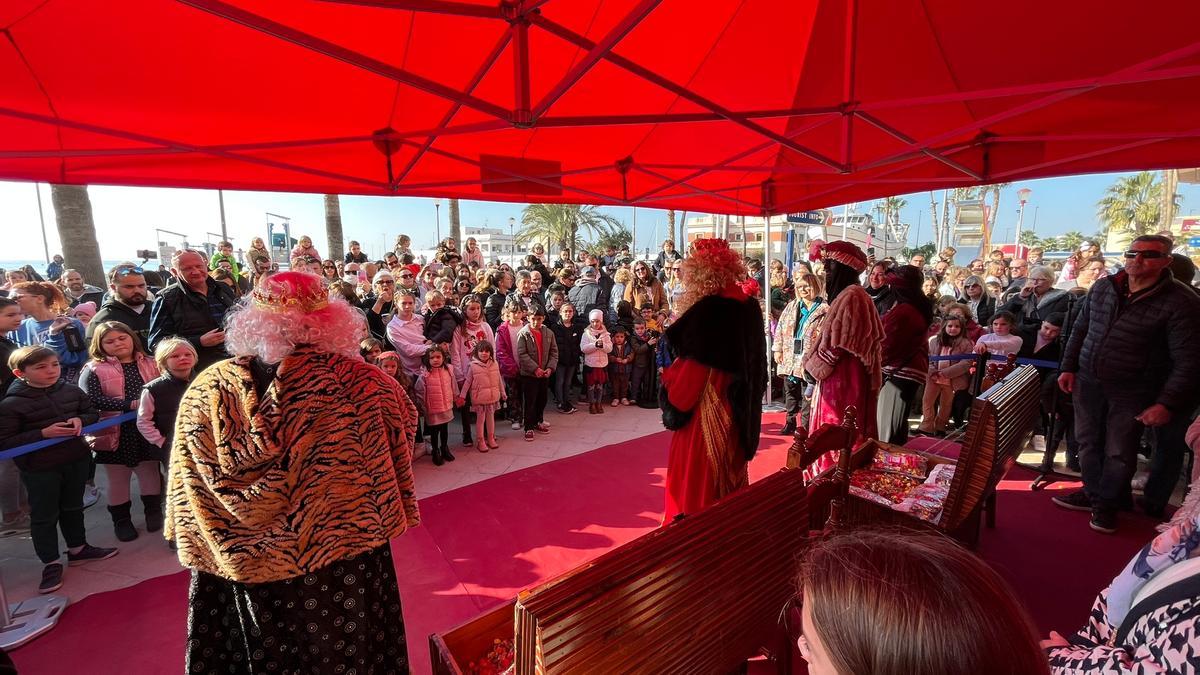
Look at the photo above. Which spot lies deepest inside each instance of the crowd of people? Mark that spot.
(405, 345)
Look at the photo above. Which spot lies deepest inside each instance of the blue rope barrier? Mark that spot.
(47, 442)
(1037, 363)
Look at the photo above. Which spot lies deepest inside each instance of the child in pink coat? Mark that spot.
(485, 388)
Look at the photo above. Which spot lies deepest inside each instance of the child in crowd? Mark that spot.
(304, 247)
(945, 377)
(1056, 407)
(644, 383)
(14, 501)
(537, 356)
(513, 314)
(1000, 341)
(40, 405)
(650, 319)
(595, 344)
(568, 332)
(435, 390)
(663, 354)
(624, 318)
(484, 388)
(370, 349)
(389, 363)
(620, 365)
(113, 379)
(441, 320)
(159, 402)
(473, 330)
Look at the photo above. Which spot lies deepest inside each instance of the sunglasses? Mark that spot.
(328, 267)
(386, 282)
(1148, 255)
(126, 271)
(406, 276)
(973, 286)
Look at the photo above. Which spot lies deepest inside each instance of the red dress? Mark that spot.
(705, 461)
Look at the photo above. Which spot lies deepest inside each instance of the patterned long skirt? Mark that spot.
(344, 618)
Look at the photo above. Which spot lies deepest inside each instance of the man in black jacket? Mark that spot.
(126, 303)
(1131, 363)
(193, 309)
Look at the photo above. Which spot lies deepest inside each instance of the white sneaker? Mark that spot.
(516, 425)
(625, 401)
(616, 402)
(91, 495)
(1139, 481)
(1038, 443)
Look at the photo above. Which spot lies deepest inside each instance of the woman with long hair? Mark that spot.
(257, 251)
(645, 289)
(904, 357)
(843, 353)
(284, 507)
(788, 347)
(905, 603)
(46, 323)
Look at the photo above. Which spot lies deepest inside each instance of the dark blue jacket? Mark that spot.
(1144, 349)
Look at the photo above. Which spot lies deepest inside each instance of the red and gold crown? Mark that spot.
(710, 245)
(290, 291)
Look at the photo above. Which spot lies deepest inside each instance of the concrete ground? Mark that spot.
(148, 556)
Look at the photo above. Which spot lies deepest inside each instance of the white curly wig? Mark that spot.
(265, 324)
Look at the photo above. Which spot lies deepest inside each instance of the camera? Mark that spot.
(147, 254)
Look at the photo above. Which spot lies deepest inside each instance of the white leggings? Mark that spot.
(149, 480)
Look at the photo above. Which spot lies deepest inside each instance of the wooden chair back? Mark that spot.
(833, 482)
(1001, 420)
(701, 595)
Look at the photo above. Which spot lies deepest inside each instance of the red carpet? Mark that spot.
(480, 544)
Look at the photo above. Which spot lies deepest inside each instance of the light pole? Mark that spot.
(437, 222)
(512, 242)
(1022, 197)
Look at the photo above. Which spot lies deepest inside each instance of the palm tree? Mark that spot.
(995, 189)
(1171, 184)
(333, 226)
(77, 231)
(1071, 240)
(891, 209)
(455, 224)
(614, 235)
(560, 223)
(1133, 204)
(671, 225)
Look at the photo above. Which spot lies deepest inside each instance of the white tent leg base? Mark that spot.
(31, 618)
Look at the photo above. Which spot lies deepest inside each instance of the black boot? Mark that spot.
(789, 428)
(437, 456)
(153, 507)
(446, 454)
(122, 523)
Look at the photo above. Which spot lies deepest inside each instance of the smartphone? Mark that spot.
(871, 251)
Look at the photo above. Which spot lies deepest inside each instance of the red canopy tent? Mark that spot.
(728, 106)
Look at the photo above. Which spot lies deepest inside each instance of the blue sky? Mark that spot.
(126, 217)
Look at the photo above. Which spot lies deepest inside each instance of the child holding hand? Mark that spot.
(595, 344)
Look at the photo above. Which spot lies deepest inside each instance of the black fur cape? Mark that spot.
(726, 334)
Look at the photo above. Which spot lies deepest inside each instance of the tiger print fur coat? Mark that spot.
(317, 471)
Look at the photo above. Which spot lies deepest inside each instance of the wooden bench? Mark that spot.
(1001, 420)
(701, 595)
(828, 485)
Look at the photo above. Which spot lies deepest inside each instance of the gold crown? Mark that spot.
(306, 301)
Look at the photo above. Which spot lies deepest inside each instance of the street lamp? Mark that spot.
(437, 222)
(1022, 197)
(512, 242)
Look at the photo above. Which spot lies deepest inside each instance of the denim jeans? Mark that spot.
(563, 381)
(1108, 437)
(1167, 460)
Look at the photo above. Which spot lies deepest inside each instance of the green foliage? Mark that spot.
(927, 249)
(611, 234)
(1133, 204)
(561, 223)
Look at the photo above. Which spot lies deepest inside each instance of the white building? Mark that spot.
(495, 243)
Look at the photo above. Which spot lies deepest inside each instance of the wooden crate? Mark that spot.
(450, 652)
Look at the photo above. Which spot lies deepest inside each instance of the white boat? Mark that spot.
(862, 230)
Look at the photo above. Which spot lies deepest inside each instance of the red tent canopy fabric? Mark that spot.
(724, 106)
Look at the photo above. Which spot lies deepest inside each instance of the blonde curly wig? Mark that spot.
(708, 271)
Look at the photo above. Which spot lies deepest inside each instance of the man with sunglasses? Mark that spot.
(127, 302)
(1130, 363)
